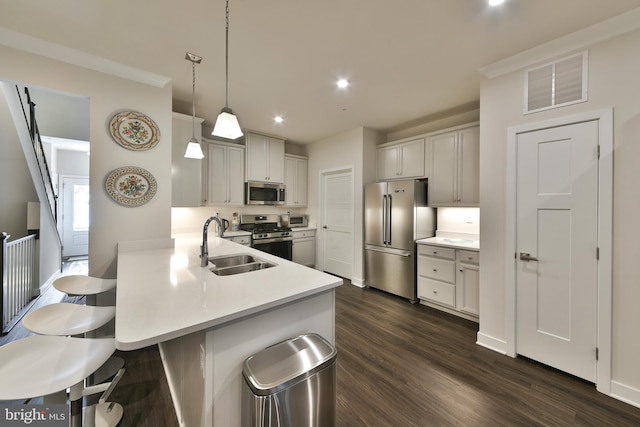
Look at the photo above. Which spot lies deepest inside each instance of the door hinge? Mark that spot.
(598, 152)
(598, 254)
(597, 353)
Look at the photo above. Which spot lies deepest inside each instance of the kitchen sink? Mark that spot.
(227, 265)
(232, 260)
(244, 268)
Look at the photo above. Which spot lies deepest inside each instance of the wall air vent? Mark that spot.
(557, 84)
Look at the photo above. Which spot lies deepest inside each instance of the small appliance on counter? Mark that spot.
(294, 220)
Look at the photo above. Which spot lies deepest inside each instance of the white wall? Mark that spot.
(110, 222)
(614, 81)
(349, 149)
(13, 170)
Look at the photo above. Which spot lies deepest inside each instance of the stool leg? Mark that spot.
(75, 398)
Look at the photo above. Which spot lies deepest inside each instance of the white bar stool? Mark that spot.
(40, 365)
(67, 319)
(76, 284)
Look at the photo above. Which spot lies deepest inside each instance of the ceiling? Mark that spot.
(407, 60)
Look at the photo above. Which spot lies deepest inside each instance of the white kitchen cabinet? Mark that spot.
(304, 247)
(295, 180)
(467, 281)
(225, 172)
(265, 158)
(448, 279)
(186, 174)
(454, 178)
(402, 160)
(243, 239)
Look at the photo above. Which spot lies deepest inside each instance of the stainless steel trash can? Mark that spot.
(291, 384)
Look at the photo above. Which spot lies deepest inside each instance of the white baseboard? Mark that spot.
(625, 393)
(491, 343)
(359, 282)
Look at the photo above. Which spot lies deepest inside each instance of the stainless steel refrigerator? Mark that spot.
(395, 216)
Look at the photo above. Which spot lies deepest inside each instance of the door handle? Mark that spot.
(527, 257)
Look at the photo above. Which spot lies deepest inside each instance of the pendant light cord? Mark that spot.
(226, 58)
(193, 100)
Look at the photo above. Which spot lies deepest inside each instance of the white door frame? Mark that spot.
(345, 169)
(605, 235)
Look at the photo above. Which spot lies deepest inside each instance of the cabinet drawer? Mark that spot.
(469, 257)
(436, 268)
(436, 291)
(437, 251)
(243, 240)
(301, 234)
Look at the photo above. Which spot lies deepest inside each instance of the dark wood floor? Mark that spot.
(410, 365)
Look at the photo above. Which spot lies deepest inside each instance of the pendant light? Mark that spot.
(194, 150)
(227, 125)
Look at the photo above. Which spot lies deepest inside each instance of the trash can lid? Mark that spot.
(284, 364)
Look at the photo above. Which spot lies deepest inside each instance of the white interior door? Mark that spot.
(74, 205)
(337, 223)
(556, 243)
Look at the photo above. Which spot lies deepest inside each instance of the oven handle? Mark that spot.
(274, 240)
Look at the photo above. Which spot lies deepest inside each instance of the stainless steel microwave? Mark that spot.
(294, 220)
(264, 193)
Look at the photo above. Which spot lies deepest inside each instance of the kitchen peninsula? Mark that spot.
(206, 325)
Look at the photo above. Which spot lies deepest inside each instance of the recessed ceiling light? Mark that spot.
(495, 2)
(342, 83)
(278, 119)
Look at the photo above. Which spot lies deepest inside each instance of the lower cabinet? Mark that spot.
(243, 240)
(448, 279)
(304, 247)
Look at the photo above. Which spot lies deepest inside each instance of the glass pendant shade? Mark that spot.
(194, 150)
(227, 125)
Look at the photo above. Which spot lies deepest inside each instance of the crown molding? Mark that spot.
(579, 40)
(27, 43)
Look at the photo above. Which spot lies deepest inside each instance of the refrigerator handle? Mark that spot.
(384, 219)
(389, 220)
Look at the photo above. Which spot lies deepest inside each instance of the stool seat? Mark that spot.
(67, 319)
(46, 364)
(77, 284)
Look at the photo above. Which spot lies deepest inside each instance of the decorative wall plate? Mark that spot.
(131, 186)
(134, 131)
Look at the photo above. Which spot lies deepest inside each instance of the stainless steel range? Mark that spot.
(268, 235)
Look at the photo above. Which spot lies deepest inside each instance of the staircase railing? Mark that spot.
(36, 141)
(18, 264)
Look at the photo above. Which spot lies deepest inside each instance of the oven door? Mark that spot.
(278, 247)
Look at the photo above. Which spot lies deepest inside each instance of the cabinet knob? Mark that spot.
(435, 292)
(435, 269)
(461, 271)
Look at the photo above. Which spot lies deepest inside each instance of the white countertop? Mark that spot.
(236, 233)
(164, 293)
(453, 240)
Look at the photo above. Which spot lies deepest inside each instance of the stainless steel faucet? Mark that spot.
(204, 249)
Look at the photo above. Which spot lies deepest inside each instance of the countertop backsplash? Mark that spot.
(459, 220)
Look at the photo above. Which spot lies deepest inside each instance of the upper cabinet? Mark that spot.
(402, 160)
(264, 158)
(455, 168)
(295, 179)
(225, 174)
(186, 174)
